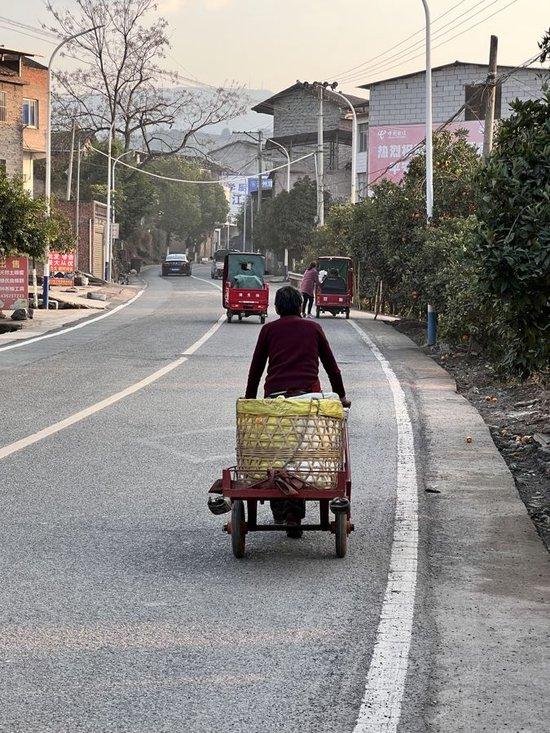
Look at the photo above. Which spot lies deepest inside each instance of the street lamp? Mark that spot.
(285, 151)
(48, 182)
(432, 315)
(112, 205)
(354, 139)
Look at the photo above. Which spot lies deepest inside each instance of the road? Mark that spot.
(121, 606)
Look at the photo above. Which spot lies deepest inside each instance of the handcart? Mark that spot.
(239, 490)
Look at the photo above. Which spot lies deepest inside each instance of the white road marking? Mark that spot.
(8, 450)
(202, 279)
(385, 685)
(211, 331)
(89, 322)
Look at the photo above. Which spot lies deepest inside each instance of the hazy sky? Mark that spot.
(271, 43)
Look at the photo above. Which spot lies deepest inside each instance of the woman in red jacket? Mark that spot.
(310, 281)
(292, 348)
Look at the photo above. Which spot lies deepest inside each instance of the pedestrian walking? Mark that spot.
(310, 281)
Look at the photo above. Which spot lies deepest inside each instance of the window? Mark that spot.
(3, 111)
(30, 112)
(475, 99)
(363, 130)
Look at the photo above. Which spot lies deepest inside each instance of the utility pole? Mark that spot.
(71, 159)
(490, 91)
(77, 207)
(244, 224)
(260, 136)
(320, 161)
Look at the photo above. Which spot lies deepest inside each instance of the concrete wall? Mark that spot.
(11, 131)
(296, 113)
(402, 101)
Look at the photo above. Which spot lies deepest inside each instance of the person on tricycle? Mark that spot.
(292, 347)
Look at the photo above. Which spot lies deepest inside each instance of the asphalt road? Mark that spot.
(121, 606)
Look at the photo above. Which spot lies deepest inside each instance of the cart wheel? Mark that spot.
(229, 316)
(347, 313)
(238, 532)
(240, 317)
(334, 315)
(317, 313)
(262, 319)
(341, 533)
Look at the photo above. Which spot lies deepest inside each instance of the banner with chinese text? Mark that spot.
(62, 267)
(14, 283)
(390, 147)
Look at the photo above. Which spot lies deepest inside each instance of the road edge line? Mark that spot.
(53, 333)
(380, 710)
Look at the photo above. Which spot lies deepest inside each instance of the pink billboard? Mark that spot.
(390, 147)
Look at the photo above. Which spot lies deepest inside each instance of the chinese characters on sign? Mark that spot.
(236, 192)
(62, 267)
(390, 147)
(14, 283)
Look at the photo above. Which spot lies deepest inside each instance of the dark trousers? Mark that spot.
(285, 509)
(307, 300)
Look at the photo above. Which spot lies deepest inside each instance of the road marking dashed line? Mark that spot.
(29, 440)
(385, 684)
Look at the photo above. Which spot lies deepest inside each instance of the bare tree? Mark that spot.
(121, 82)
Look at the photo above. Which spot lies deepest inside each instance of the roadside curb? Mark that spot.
(486, 581)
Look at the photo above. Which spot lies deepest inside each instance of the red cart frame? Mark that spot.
(281, 485)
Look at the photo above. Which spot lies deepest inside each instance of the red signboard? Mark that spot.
(390, 147)
(62, 267)
(14, 283)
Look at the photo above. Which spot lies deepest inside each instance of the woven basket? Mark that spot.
(309, 446)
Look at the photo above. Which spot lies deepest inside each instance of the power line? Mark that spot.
(448, 40)
(183, 180)
(368, 62)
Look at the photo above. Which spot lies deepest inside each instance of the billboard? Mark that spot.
(390, 144)
(236, 190)
(62, 267)
(14, 283)
(267, 184)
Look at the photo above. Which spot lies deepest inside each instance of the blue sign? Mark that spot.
(267, 184)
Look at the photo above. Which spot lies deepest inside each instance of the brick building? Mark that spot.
(295, 112)
(397, 109)
(24, 89)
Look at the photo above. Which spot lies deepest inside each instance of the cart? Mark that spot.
(334, 294)
(244, 291)
(242, 498)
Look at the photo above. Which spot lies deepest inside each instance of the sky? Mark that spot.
(269, 44)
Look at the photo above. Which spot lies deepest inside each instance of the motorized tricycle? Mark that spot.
(245, 292)
(334, 294)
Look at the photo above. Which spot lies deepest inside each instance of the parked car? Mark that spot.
(176, 264)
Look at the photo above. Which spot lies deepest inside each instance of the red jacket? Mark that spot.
(292, 347)
(309, 280)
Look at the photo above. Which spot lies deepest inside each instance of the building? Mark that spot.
(295, 120)
(397, 108)
(24, 90)
(90, 251)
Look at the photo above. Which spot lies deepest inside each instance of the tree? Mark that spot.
(25, 227)
(514, 237)
(122, 83)
(288, 220)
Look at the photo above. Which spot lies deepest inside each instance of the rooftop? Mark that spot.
(438, 68)
(267, 106)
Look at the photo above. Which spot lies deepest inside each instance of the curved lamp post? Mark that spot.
(285, 151)
(354, 139)
(48, 182)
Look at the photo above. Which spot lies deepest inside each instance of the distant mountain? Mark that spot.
(248, 121)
